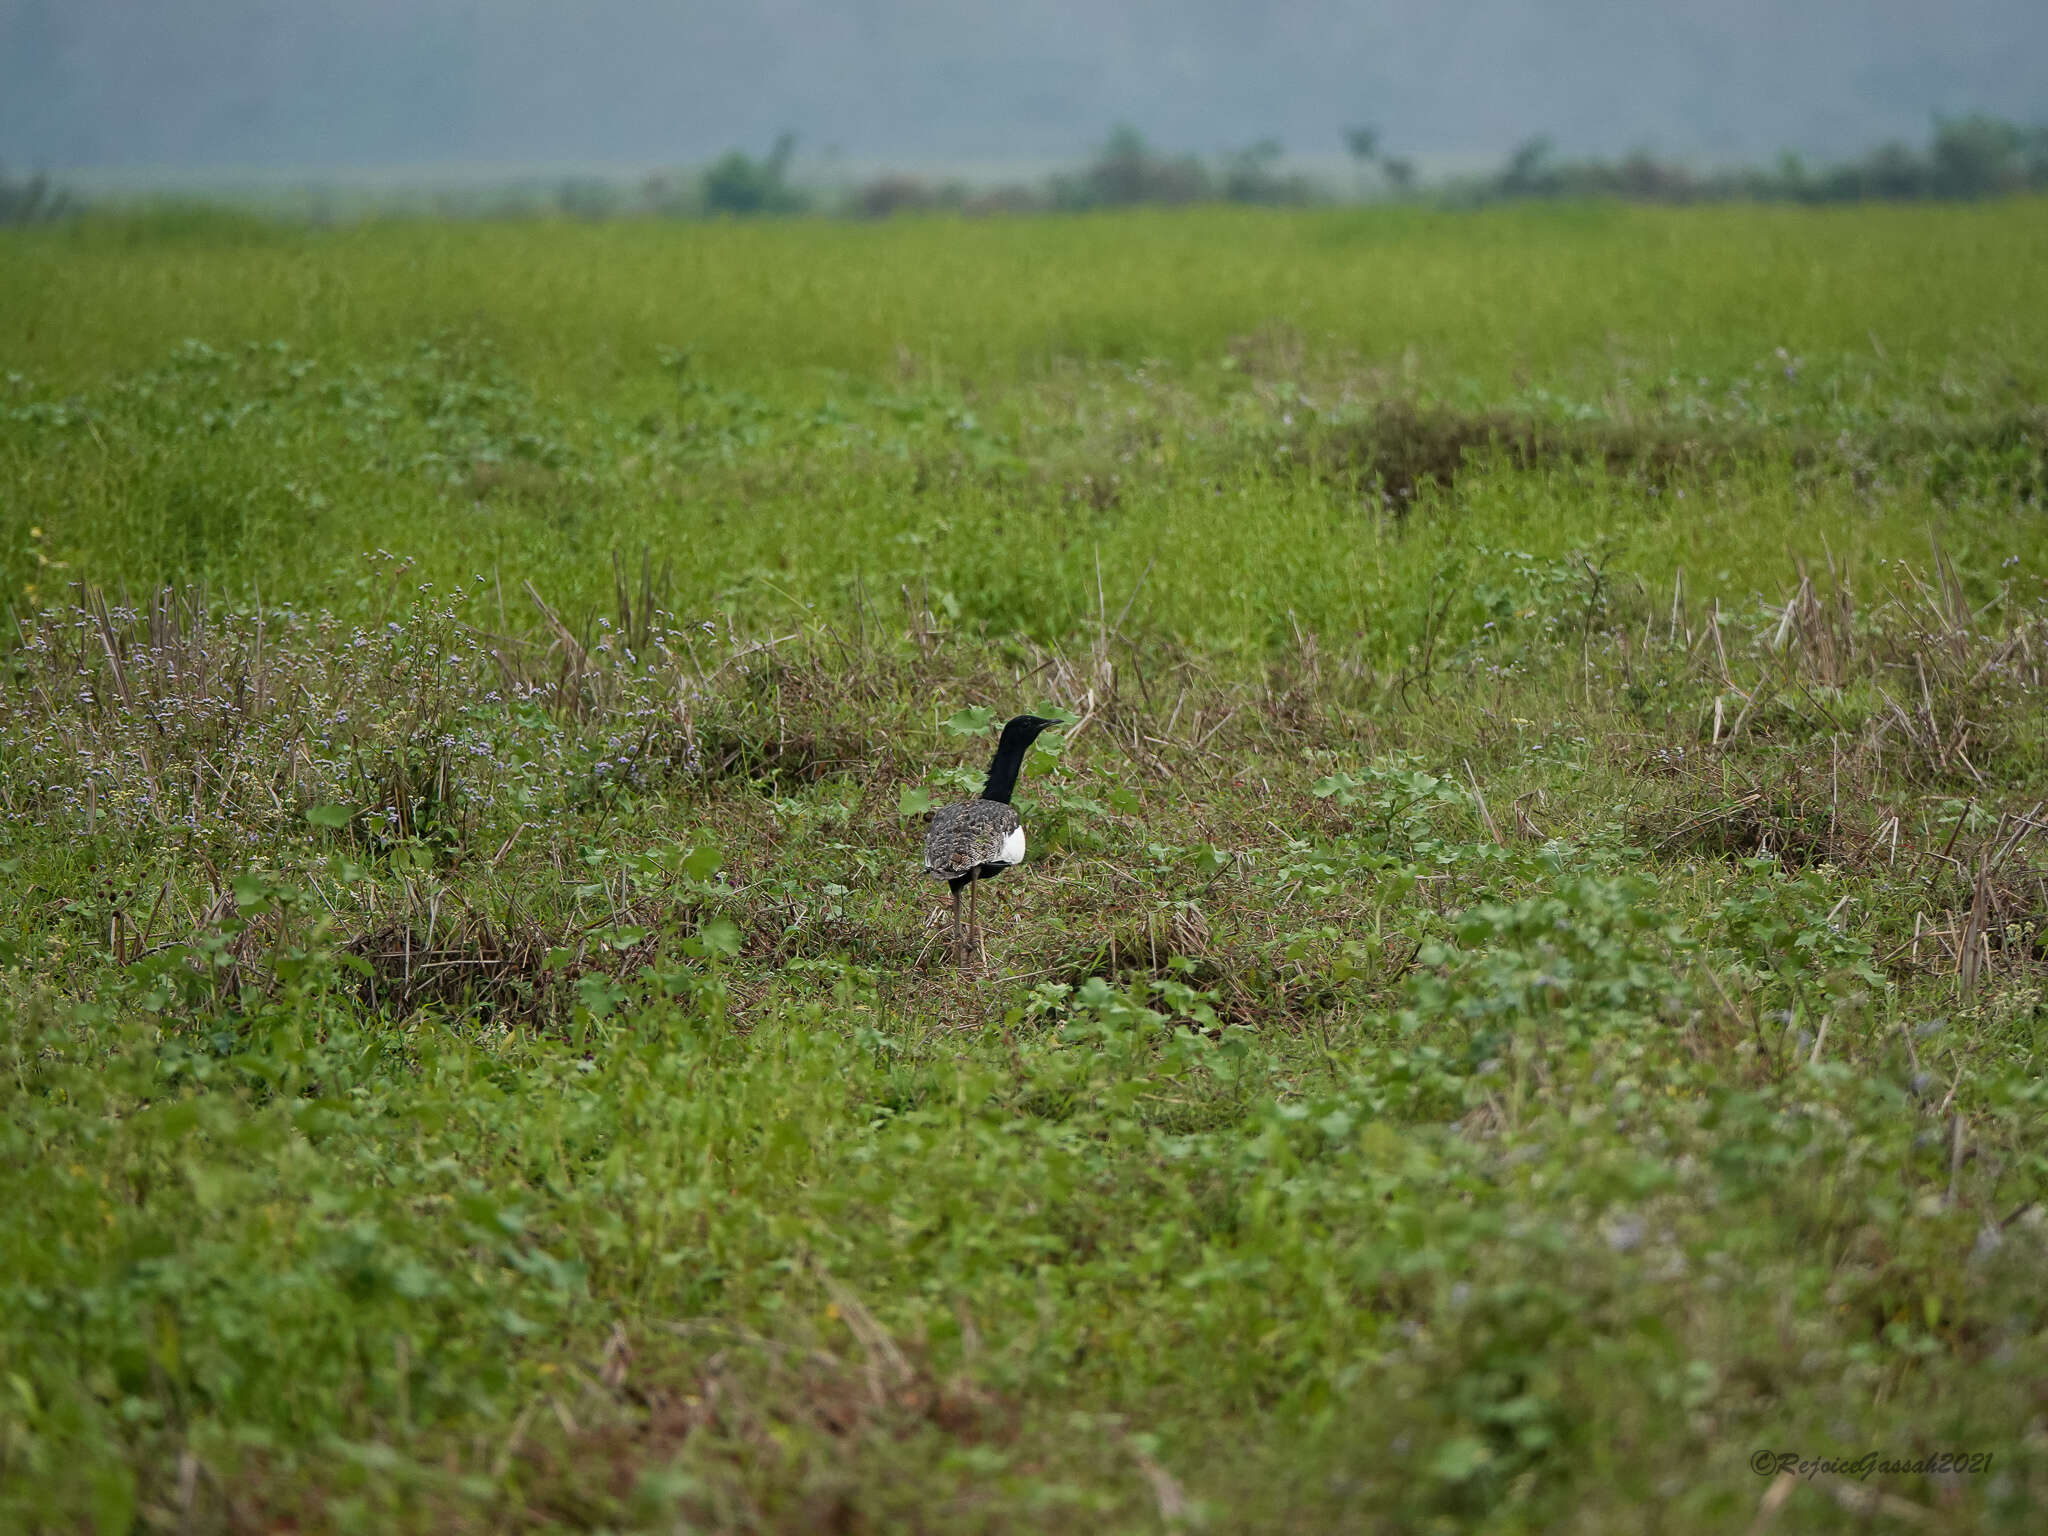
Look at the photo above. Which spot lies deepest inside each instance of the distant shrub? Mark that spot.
(1528, 172)
(1252, 175)
(891, 194)
(740, 184)
(32, 200)
(1363, 145)
(1128, 171)
(897, 193)
(1982, 156)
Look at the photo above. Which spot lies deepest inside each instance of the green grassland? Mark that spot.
(1529, 990)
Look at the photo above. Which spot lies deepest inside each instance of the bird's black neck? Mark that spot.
(1003, 771)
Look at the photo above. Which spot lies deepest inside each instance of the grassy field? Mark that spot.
(1525, 1012)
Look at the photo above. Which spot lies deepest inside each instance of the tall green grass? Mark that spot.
(988, 408)
(1568, 296)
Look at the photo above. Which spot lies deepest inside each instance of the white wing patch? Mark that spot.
(1013, 848)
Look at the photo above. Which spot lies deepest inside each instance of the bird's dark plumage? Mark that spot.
(979, 839)
(967, 840)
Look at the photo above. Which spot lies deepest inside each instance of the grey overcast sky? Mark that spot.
(193, 84)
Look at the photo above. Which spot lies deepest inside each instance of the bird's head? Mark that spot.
(1018, 734)
(1025, 729)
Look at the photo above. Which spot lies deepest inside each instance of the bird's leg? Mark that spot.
(980, 947)
(973, 920)
(959, 952)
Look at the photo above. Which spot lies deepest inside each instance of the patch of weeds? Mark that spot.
(1588, 955)
(470, 965)
(1398, 449)
(1798, 819)
(1166, 941)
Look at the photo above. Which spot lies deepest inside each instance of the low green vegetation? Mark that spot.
(1527, 1000)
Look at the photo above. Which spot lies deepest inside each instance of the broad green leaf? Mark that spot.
(1339, 784)
(333, 817)
(971, 722)
(1460, 1459)
(913, 802)
(600, 994)
(719, 937)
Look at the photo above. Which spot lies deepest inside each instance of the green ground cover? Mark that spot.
(1528, 991)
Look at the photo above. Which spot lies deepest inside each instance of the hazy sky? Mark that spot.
(360, 83)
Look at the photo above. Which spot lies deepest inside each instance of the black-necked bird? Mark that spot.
(977, 840)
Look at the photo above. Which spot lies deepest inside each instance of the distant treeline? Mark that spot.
(1125, 172)
(1965, 157)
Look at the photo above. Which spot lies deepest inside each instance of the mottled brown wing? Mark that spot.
(967, 835)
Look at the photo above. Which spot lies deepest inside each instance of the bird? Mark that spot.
(976, 840)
